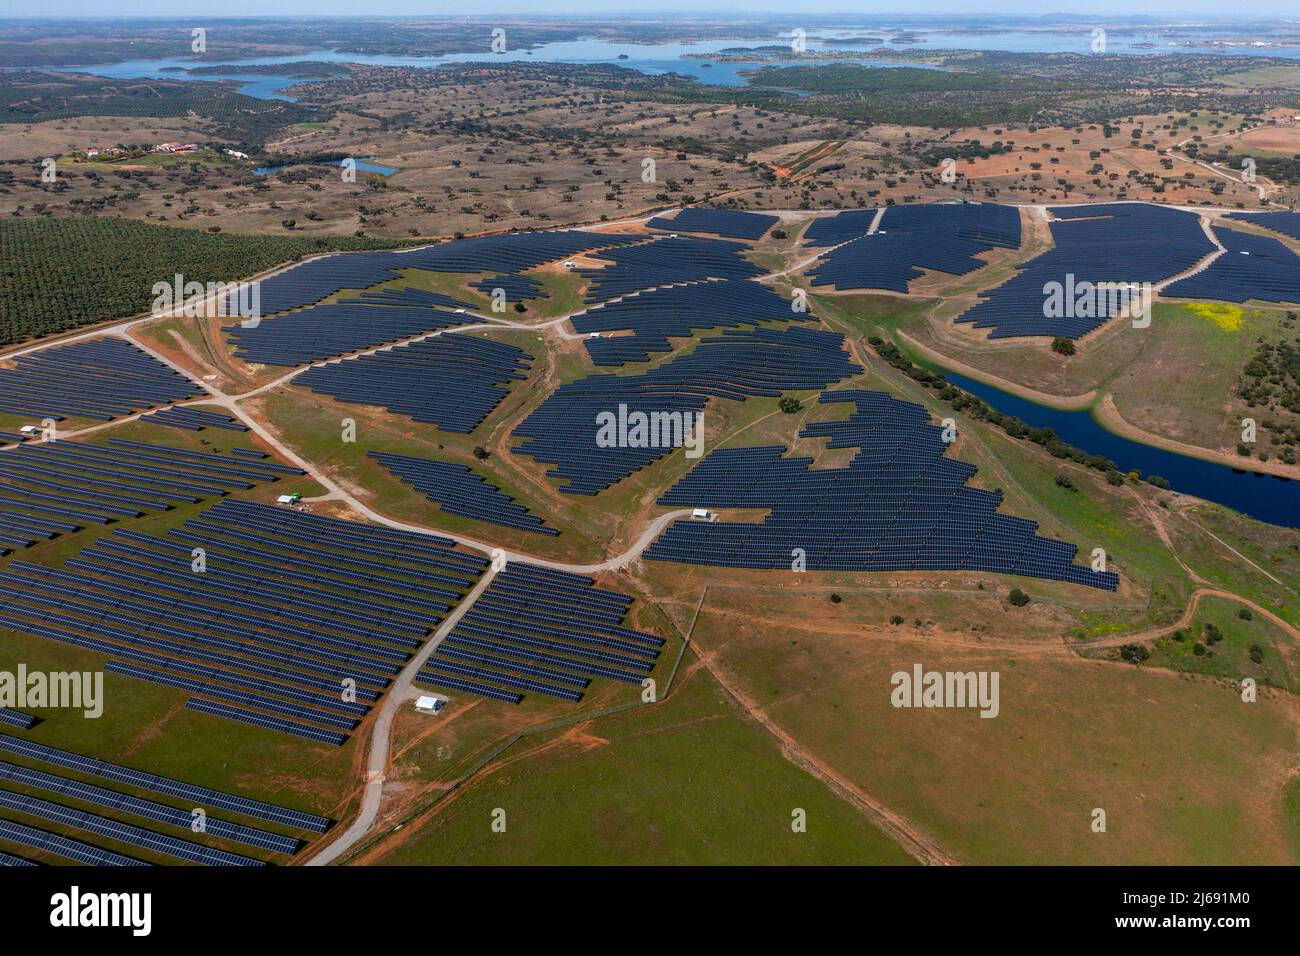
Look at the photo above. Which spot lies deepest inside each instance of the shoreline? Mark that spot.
(1103, 410)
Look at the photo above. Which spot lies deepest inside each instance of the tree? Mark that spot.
(1018, 598)
(481, 453)
(1063, 345)
(789, 405)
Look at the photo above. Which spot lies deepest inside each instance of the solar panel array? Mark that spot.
(453, 380)
(288, 613)
(946, 237)
(127, 833)
(317, 279)
(1284, 223)
(677, 311)
(16, 718)
(664, 260)
(898, 505)
(8, 859)
(337, 328)
(833, 230)
(53, 488)
(65, 847)
(517, 288)
(740, 363)
(1253, 267)
(729, 223)
(408, 295)
(100, 379)
(194, 796)
(193, 419)
(182, 819)
(1110, 242)
(543, 631)
(457, 490)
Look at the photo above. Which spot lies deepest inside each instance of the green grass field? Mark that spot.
(690, 780)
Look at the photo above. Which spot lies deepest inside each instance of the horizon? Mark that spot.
(1024, 10)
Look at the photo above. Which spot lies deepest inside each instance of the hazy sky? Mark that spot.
(186, 8)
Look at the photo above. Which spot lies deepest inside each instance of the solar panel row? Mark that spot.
(16, 718)
(457, 490)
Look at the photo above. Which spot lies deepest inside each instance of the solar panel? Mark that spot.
(898, 505)
(63, 846)
(197, 796)
(731, 223)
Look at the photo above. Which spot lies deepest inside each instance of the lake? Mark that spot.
(661, 58)
(1266, 497)
(363, 165)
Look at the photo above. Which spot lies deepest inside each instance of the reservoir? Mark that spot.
(1265, 497)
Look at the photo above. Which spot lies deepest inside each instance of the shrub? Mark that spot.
(1257, 653)
(896, 619)
(1198, 649)
(836, 599)
(789, 405)
(1245, 614)
(1018, 598)
(1063, 346)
